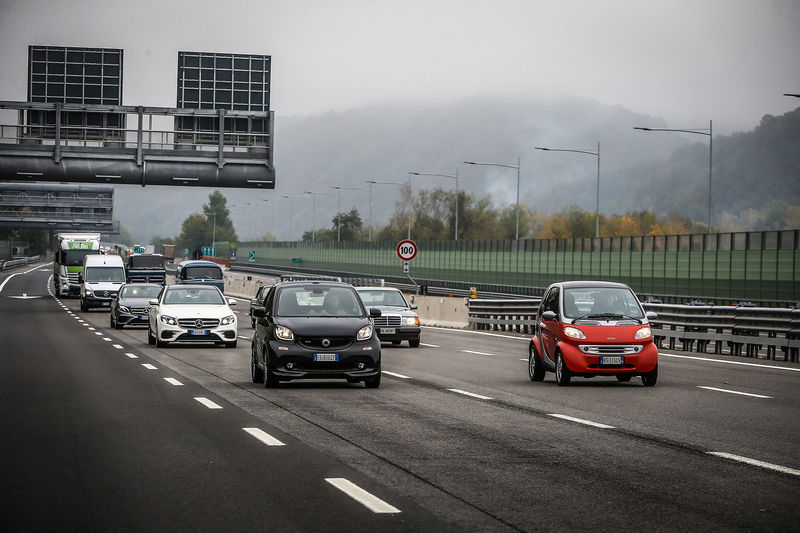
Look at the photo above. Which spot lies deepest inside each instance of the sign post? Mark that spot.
(251, 256)
(407, 250)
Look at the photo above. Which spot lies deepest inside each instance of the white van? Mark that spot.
(100, 280)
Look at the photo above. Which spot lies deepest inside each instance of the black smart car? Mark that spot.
(314, 330)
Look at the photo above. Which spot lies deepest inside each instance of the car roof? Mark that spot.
(195, 286)
(141, 285)
(591, 284)
(197, 262)
(377, 289)
(325, 283)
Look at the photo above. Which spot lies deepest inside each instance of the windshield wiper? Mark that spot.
(608, 315)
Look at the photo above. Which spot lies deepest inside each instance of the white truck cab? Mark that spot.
(100, 280)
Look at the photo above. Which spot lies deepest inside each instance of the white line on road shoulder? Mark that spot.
(401, 376)
(429, 345)
(581, 421)
(208, 403)
(773, 367)
(173, 381)
(6, 281)
(148, 366)
(132, 355)
(477, 353)
(264, 437)
(472, 394)
(756, 462)
(373, 503)
(734, 392)
(526, 339)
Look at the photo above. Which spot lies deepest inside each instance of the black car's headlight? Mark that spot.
(124, 309)
(284, 333)
(364, 333)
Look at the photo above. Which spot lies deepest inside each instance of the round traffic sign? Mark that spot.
(406, 250)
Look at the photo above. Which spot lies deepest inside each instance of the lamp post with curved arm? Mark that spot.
(451, 176)
(371, 183)
(516, 234)
(597, 193)
(698, 131)
(339, 208)
(314, 212)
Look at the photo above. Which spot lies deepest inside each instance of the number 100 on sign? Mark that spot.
(406, 250)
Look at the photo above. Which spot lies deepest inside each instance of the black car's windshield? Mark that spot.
(146, 261)
(139, 291)
(378, 297)
(318, 301)
(601, 302)
(202, 272)
(108, 274)
(193, 296)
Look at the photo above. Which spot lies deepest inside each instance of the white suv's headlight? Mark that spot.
(364, 333)
(169, 320)
(575, 333)
(284, 333)
(644, 333)
(412, 321)
(230, 319)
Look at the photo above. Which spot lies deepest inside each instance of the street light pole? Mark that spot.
(697, 131)
(371, 183)
(454, 176)
(339, 208)
(517, 167)
(597, 192)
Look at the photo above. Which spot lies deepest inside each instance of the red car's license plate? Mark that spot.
(612, 360)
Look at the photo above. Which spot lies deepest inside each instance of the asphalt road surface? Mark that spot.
(103, 432)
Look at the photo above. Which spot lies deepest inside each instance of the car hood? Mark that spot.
(317, 326)
(99, 286)
(196, 311)
(389, 310)
(135, 302)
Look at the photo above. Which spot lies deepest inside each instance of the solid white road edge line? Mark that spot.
(429, 345)
(756, 462)
(6, 280)
(208, 403)
(477, 353)
(773, 367)
(526, 339)
(173, 381)
(581, 421)
(264, 437)
(401, 376)
(373, 503)
(734, 392)
(472, 394)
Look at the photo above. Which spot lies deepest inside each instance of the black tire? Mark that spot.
(151, 339)
(649, 379)
(232, 344)
(253, 323)
(256, 374)
(563, 374)
(374, 382)
(623, 378)
(270, 380)
(159, 342)
(83, 306)
(115, 323)
(413, 343)
(536, 369)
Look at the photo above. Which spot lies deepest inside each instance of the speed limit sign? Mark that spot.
(406, 250)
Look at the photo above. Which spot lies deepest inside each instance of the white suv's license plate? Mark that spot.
(387, 331)
(613, 360)
(326, 357)
(199, 332)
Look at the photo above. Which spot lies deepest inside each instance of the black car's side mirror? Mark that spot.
(260, 312)
(374, 312)
(80, 277)
(549, 315)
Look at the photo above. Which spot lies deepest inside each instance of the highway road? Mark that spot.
(104, 432)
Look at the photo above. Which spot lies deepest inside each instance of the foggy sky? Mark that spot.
(686, 61)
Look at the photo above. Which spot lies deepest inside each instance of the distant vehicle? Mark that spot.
(314, 330)
(191, 313)
(398, 321)
(145, 268)
(70, 249)
(199, 272)
(257, 301)
(100, 280)
(592, 328)
(131, 305)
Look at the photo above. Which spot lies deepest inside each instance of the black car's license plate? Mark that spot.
(326, 357)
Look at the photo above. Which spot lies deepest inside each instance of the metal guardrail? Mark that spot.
(297, 275)
(13, 263)
(733, 330)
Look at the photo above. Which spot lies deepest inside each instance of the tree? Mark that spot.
(217, 214)
(195, 232)
(347, 226)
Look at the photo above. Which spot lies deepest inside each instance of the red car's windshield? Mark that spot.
(587, 302)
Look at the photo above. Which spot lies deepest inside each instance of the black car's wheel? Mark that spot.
(83, 306)
(253, 323)
(151, 339)
(256, 374)
(270, 380)
(374, 382)
(650, 378)
(623, 378)
(536, 370)
(111, 320)
(563, 375)
(115, 322)
(414, 343)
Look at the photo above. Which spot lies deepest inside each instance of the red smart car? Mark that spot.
(592, 328)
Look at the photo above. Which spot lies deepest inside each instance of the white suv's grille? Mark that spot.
(611, 349)
(198, 323)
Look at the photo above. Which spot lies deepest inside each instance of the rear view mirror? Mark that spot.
(374, 312)
(260, 312)
(549, 315)
(153, 302)
(651, 315)
(231, 301)
(412, 307)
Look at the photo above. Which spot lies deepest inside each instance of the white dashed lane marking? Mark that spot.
(756, 462)
(148, 366)
(117, 346)
(477, 353)
(173, 381)
(264, 437)
(429, 345)
(582, 421)
(471, 394)
(208, 403)
(371, 502)
(401, 376)
(734, 392)
(132, 355)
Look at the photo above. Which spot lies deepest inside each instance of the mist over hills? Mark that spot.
(663, 172)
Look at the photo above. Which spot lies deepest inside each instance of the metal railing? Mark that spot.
(8, 264)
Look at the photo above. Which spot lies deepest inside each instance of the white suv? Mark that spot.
(191, 313)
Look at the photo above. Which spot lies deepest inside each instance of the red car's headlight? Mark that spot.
(575, 333)
(644, 333)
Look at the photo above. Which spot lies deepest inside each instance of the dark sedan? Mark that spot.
(314, 330)
(130, 306)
